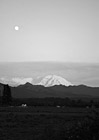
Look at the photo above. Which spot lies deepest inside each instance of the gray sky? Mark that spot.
(49, 30)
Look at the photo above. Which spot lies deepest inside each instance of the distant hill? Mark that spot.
(39, 91)
(28, 91)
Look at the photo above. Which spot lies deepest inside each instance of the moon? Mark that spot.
(16, 28)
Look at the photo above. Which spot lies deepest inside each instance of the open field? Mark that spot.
(48, 123)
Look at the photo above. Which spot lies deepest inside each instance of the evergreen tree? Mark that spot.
(6, 98)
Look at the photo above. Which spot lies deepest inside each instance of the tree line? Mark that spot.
(6, 100)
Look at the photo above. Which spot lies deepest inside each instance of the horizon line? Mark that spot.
(75, 62)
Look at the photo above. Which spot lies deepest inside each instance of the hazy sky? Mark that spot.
(49, 30)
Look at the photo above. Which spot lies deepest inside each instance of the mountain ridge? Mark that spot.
(48, 80)
(39, 91)
(52, 86)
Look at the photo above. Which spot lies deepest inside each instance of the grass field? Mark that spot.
(48, 123)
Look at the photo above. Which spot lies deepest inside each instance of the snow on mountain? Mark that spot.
(52, 80)
(47, 81)
(22, 81)
(15, 81)
(4, 80)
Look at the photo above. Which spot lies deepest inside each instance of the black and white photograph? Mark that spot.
(49, 69)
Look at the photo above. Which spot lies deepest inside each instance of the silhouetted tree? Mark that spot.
(6, 98)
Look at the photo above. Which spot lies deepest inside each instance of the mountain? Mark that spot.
(47, 81)
(22, 81)
(39, 91)
(48, 86)
(15, 81)
(51, 80)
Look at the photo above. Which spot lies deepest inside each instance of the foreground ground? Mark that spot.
(49, 123)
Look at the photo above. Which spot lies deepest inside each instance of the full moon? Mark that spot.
(16, 28)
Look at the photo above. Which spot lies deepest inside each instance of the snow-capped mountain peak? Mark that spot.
(51, 80)
(47, 81)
